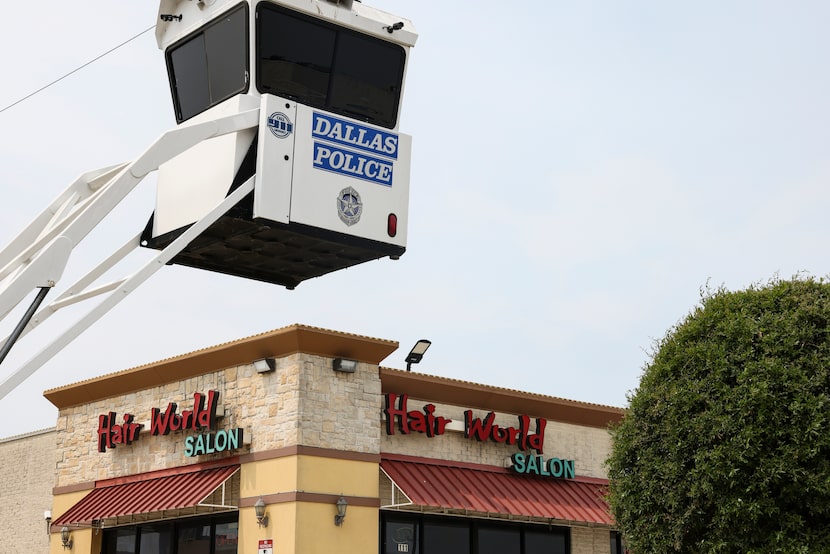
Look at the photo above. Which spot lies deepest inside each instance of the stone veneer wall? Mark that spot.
(26, 490)
(340, 410)
(303, 402)
(589, 447)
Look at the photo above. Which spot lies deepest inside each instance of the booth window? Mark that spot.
(328, 67)
(210, 65)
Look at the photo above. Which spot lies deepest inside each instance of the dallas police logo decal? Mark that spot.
(280, 125)
(349, 206)
(353, 150)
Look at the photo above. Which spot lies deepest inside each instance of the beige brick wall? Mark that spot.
(587, 446)
(26, 490)
(586, 540)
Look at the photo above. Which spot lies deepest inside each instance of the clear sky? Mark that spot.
(580, 171)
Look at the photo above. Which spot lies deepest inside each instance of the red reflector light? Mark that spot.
(392, 225)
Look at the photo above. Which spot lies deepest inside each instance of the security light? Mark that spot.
(265, 365)
(416, 353)
(344, 365)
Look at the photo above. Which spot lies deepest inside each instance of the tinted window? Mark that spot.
(186, 536)
(227, 538)
(188, 70)
(401, 537)
(157, 539)
(453, 535)
(550, 542)
(294, 61)
(616, 543)
(194, 538)
(494, 540)
(121, 541)
(367, 79)
(328, 67)
(446, 538)
(210, 65)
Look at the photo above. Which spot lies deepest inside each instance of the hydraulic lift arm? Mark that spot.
(36, 258)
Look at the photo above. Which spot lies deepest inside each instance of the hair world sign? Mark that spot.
(201, 418)
(526, 438)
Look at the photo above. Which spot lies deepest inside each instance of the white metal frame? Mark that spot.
(397, 493)
(37, 257)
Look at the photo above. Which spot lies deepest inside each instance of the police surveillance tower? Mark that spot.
(286, 162)
(331, 170)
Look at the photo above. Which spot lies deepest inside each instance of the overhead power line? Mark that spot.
(93, 60)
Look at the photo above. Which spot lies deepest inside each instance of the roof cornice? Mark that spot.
(272, 344)
(484, 397)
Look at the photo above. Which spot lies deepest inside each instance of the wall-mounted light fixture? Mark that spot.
(47, 515)
(66, 539)
(344, 365)
(341, 511)
(266, 365)
(261, 516)
(416, 353)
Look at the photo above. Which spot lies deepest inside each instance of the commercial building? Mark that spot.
(296, 441)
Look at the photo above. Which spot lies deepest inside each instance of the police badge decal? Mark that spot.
(349, 206)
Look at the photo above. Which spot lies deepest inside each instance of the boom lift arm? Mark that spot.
(280, 169)
(37, 257)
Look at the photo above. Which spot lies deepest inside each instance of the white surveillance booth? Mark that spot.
(330, 167)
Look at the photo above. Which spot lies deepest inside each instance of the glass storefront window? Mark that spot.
(226, 538)
(157, 539)
(546, 542)
(400, 537)
(120, 541)
(616, 543)
(426, 534)
(445, 537)
(204, 535)
(194, 538)
(496, 540)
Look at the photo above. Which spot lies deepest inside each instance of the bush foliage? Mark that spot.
(726, 443)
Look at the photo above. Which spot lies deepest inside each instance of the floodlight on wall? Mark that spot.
(341, 511)
(261, 516)
(416, 353)
(344, 365)
(66, 539)
(47, 515)
(266, 365)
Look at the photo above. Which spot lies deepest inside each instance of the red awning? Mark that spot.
(493, 490)
(144, 496)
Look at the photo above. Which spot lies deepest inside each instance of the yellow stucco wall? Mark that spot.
(82, 539)
(317, 534)
(333, 476)
(268, 477)
(308, 526)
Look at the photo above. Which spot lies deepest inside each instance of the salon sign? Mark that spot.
(200, 419)
(528, 435)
